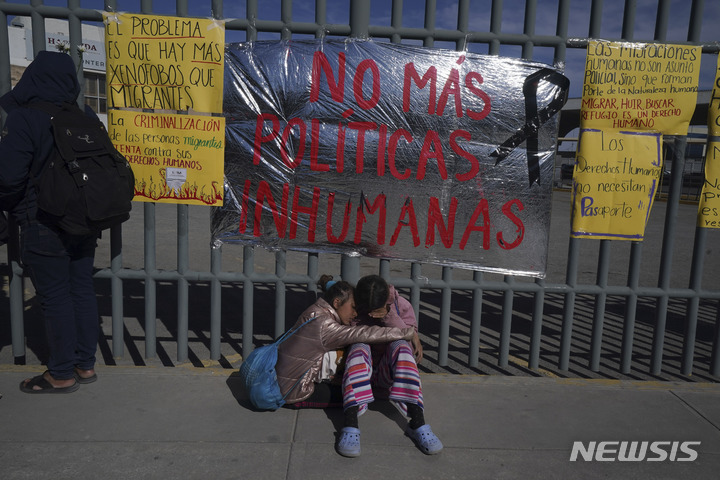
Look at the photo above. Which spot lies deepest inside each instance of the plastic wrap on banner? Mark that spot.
(390, 151)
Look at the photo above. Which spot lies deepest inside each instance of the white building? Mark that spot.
(57, 38)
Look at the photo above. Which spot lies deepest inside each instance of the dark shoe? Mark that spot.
(44, 386)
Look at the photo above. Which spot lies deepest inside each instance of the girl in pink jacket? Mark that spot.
(308, 360)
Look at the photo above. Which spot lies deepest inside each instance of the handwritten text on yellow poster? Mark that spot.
(175, 158)
(709, 206)
(714, 106)
(615, 179)
(164, 63)
(640, 86)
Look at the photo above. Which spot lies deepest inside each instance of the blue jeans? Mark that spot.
(61, 268)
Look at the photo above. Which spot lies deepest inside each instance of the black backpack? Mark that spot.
(86, 185)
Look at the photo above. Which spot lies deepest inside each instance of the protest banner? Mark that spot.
(168, 65)
(390, 151)
(709, 205)
(613, 191)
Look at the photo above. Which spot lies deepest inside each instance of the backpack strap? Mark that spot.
(290, 332)
(51, 109)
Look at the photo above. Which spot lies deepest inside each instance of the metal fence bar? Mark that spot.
(248, 290)
(494, 38)
(444, 337)
(359, 19)
(280, 270)
(693, 306)
(569, 305)
(15, 287)
(508, 297)
(529, 28)
(676, 150)
(429, 40)
(16, 294)
(537, 323)
(599, 311)
(150, 283)
(183, 296)
(215, 304)
(561, 31)
(663, 17)
(630, 307)
(475, 322)
(116, 287)
(628, 25)
(695, 23)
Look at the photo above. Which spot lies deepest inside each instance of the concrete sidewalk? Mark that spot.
(191, 423)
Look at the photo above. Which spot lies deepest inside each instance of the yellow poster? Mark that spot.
(175, 158)
(640, 86)
(164, 63)
(616, 176)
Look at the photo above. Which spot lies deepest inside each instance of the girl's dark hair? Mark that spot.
(371, 292)
(337, 289)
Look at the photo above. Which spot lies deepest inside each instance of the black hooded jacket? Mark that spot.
(27, 140)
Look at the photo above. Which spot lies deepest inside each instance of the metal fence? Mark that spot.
(466, 317)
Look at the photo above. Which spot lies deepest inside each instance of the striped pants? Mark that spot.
(396, 371)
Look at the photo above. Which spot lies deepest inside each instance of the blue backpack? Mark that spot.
(259, 377)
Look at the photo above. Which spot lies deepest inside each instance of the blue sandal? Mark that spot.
(425, 439)
(349, 443)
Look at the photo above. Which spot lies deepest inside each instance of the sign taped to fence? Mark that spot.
(175, 158)
(613, 193)
(164, 63)
(709, 205)
(390, 151)
(640, 86)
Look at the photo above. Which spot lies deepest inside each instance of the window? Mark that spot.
(95, 95)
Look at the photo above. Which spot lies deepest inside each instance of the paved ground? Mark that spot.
(191, 423)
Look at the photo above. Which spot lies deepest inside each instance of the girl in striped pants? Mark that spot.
(386, 370)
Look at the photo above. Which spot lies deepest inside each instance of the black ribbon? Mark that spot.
(534, 119)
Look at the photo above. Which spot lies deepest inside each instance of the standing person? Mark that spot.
(390, 367)
(307, 365)
(60, 264)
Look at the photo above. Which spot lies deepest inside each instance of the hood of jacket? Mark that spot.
(51, 77)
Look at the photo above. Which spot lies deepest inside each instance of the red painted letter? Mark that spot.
(507, 211)
(435, 219)
(481, 209)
